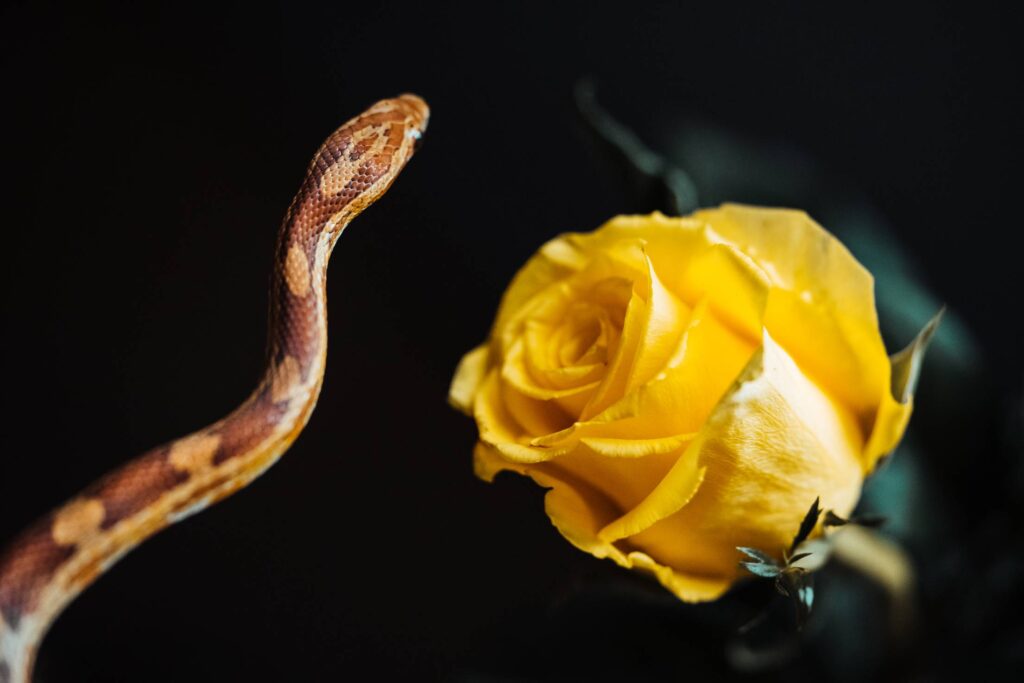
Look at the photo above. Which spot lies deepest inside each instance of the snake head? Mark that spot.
(357, 164)
(417, 113)
(409, 113)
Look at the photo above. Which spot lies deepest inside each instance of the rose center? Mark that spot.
(582, 338)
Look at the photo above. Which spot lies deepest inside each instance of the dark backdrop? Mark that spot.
(149, 155)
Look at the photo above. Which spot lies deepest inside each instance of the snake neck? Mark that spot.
(59, 556)
(50, 563)
(297, 337)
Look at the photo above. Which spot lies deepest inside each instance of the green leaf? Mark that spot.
(798, 557)
(832, 519)
(906, 364)
(767, 571)
(758, 555)
(654, 181)
(764, 565)
(807, 526)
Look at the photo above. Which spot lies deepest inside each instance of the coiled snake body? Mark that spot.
(44, 568)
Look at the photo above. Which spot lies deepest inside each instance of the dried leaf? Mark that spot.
(764, 565)
(906, 364)
(807, 525)
(832, 519)
(794, 582)
(869, 521)
(758, 555)
(767, 571)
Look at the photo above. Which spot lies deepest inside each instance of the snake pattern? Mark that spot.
(50, 563)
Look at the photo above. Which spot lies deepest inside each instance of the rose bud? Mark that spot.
(686, 386)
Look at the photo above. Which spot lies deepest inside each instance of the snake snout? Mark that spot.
(417, 109)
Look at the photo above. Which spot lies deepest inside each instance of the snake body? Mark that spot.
(50, 563)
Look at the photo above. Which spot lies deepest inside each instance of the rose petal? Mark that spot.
(554, 261)
(664, 325)
(774, 443)
(822, 307)
(627, 481)
(532, 415)
(636, 448)
(797, 254)
(499, 428)
(618, 371)
(845, 357)
(680, 399)
(890, 425)
(575, 508)
(898, 403)
(515, 372)
(688, 587)
(655, 321)
(468, 376)
(578, 511)
(670, 242)
(544, 289)
(734, 286)
(671, 493)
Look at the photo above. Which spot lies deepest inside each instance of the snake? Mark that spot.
(46, 566)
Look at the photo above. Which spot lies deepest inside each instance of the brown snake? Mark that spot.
(45, 567)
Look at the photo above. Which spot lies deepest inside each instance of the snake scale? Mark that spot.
(50, 563)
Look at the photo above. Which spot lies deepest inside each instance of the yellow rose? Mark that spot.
(684, 386)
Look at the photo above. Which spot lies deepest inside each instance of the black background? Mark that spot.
(149, 155)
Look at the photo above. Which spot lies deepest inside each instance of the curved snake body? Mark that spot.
(44, 568)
